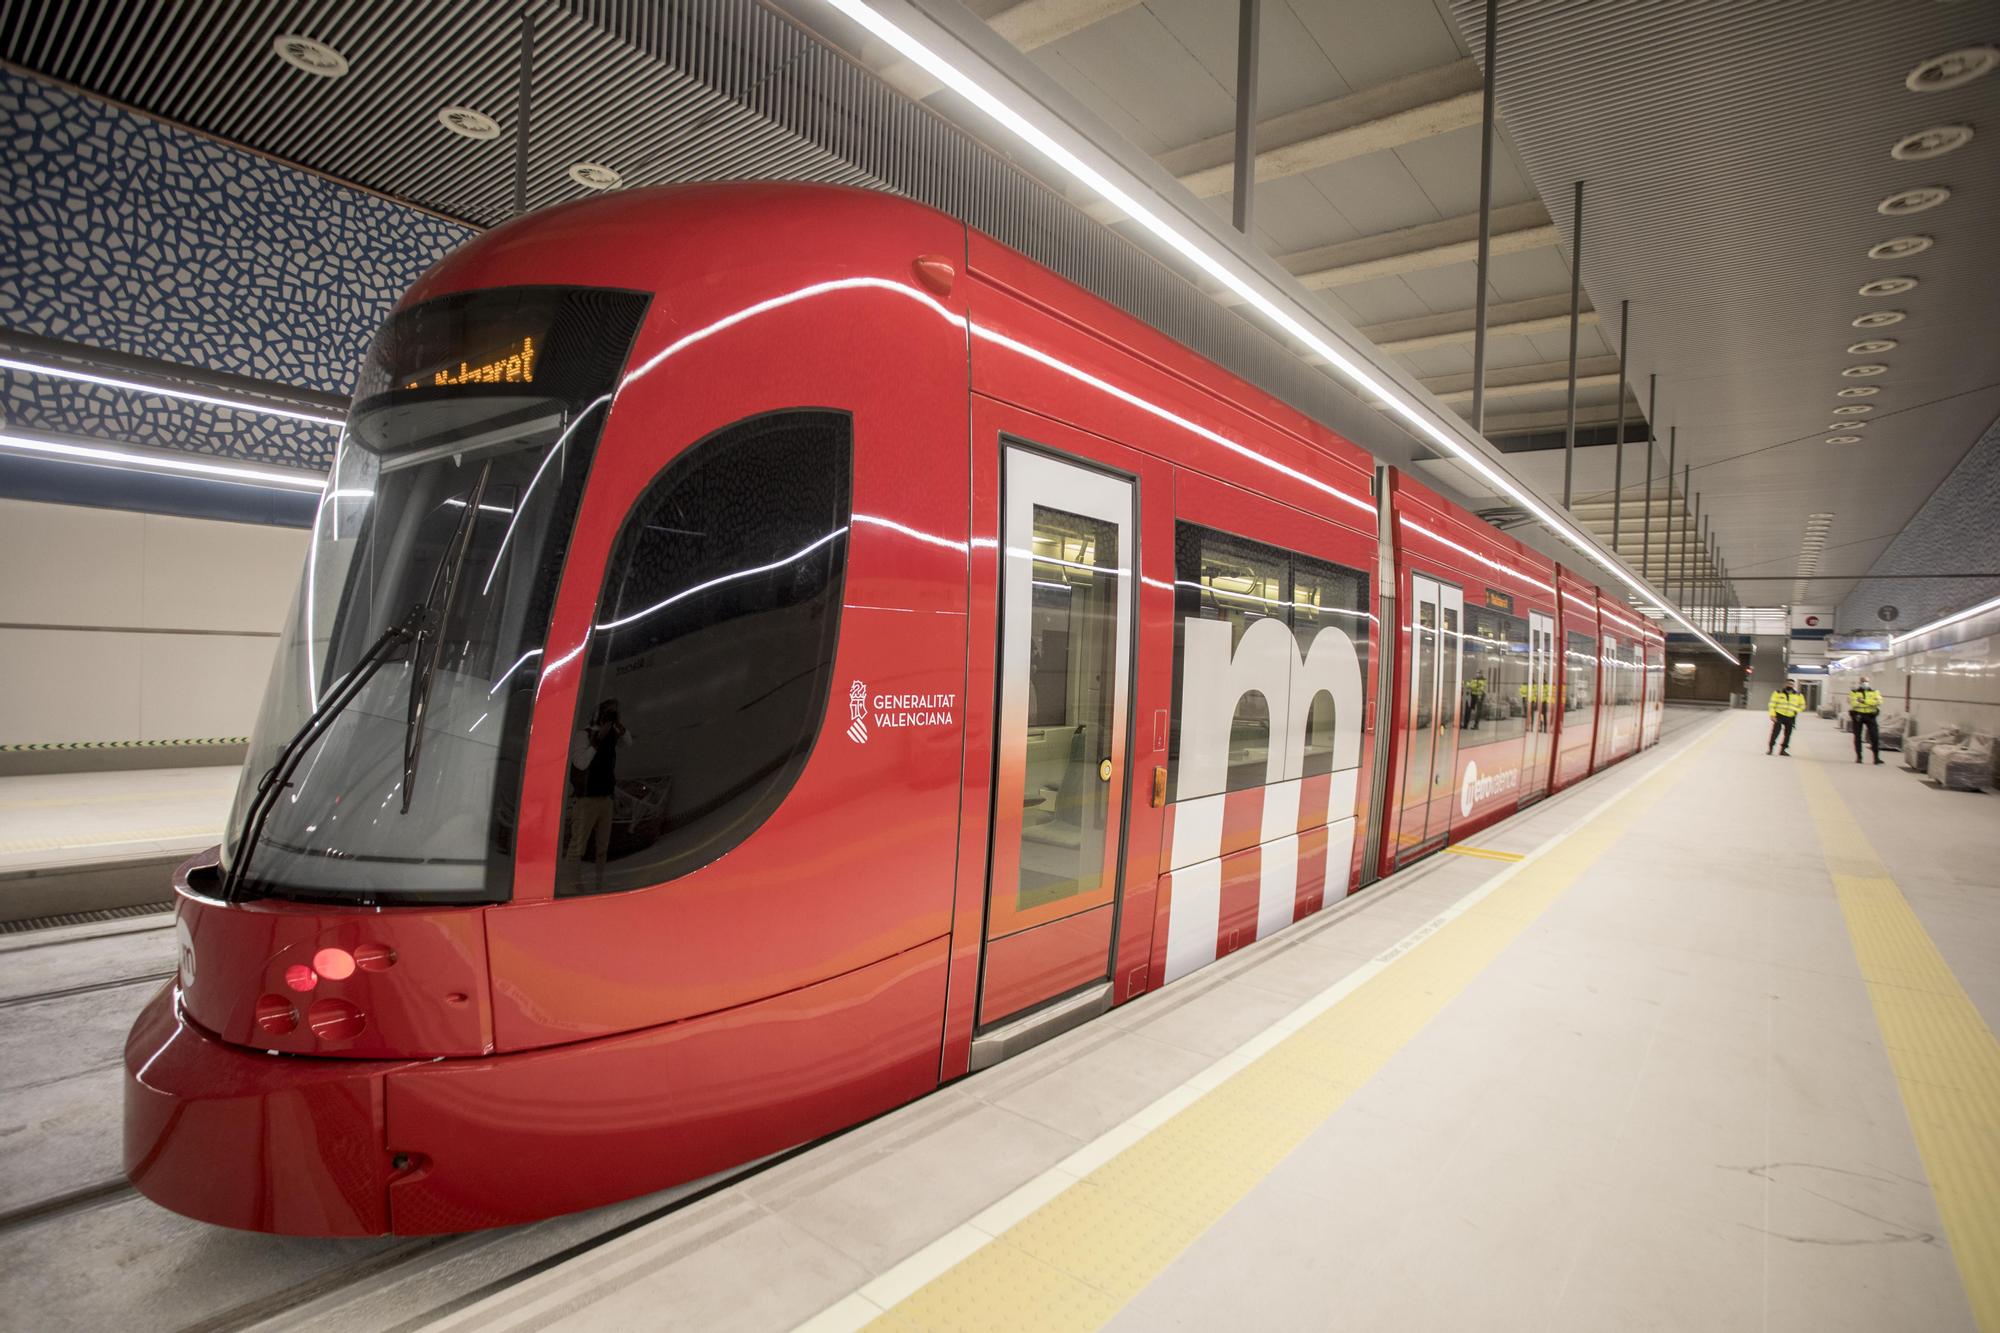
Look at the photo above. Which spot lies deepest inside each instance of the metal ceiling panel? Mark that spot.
(1735, 153)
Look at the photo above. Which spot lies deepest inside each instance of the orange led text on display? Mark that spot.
(516, 367)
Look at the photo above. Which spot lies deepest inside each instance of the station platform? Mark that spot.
(73, 843)
(1673, 1049)
(1704, 1042)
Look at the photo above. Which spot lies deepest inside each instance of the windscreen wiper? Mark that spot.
(433, 616)
(279, 776)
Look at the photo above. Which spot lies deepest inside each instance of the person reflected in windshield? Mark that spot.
(593, 782)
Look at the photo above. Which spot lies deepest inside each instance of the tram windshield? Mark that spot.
(448, 512)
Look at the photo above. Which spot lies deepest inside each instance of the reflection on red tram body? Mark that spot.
(975, 659)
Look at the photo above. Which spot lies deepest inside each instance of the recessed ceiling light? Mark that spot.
(1887, 286)
(309, 54)
(1871, 347)
(1878, 319)
(1863, 372)
(1843, 439)
(468, 122)
(595, 176)
(1904, 202)
(1952, 69)
(1852, 410)
(1933, 142)
(1859, 391)
(1900, 247)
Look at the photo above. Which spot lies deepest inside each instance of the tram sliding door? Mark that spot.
(1437, 646)
(1540, 755)
(1069, 552)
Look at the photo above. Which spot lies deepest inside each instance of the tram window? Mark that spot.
(712, 655)
(1326, 594)
(1223, 577)
(1494, 704)
(1579, 674)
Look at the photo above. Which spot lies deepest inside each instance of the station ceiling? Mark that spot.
(1734, 156)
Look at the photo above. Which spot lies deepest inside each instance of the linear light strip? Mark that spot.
(185, 395)
(1195, 253)
(1967, 614)
(97, 455)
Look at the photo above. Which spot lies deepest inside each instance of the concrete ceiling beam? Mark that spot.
(1541, 314)
(1418, 106)
(1429, 245)
(1036, 23)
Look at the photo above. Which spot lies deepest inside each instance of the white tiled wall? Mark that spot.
(1953, 685)
(121, 626)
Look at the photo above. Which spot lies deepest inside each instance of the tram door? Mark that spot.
(1436, 679)
(1068, 554)
(1541, 700)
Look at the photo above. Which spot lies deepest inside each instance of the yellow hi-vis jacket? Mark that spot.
(1864, 702)
(1786, 703)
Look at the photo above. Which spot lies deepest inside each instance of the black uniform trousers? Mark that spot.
(1873, 723)
(1779, 724)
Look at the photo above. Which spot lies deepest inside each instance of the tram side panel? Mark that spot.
(1248, 763)
(1577, 646)
(1479, 612)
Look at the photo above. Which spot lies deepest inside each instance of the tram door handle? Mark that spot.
(1104, 769)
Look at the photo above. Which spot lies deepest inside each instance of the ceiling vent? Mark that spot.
(1864, 372)
(595, 176)
(1860, 391)
(1905, 202)
(1888, 286)
(1953, 69)
(1933, 142)
(1843, 439)
(1846, 425)
(1871, 347)
(310, 55)
(1814, 541)
(1852, 410)
(1900, 247)
(1878, 319)
(468, 122)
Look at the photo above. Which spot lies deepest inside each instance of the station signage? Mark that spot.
(1500, 601)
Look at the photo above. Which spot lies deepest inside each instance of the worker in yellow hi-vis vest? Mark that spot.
(1864, 710)
(1785, 707)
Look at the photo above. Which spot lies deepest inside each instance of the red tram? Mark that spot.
(767, 650)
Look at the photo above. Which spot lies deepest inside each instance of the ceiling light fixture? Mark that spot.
(100, 455)
(1953, 69)
(469, 122)
(310, 55)
(1863, 372)
(1871, 347)
(1887, 287)
(1196, 250)
(164, 391)
(595, 176)
(1933, 142)
(1858, 391)
(1899, 247)
(1843, 439)
(1853, 410)
(1878, 319)
(1916, 200)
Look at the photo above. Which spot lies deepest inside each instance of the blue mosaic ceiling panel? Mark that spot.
(126, 233)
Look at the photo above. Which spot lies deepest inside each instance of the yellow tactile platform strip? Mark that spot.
(1946, 1060)
(1076, 1259)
